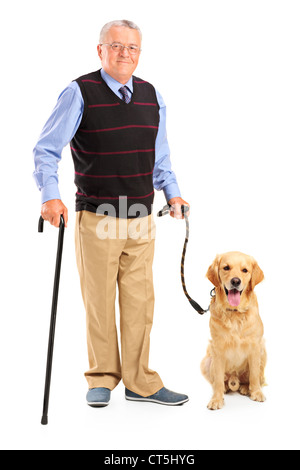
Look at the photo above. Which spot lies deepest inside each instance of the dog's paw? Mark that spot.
(216, 404)
(244, 390)
(258, 396)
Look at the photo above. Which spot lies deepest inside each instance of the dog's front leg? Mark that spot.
(217, 374)
(254, 359)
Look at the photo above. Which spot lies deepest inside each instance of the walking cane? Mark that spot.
(53, 315)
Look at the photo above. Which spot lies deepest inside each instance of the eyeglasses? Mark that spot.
(118, 47)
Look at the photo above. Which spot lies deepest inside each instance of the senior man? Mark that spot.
(116, 126)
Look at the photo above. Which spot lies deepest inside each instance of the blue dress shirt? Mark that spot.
(61, 127)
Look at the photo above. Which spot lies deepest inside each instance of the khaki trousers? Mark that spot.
(111, 251)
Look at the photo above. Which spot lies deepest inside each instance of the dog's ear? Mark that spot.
(257, 275)
(213, 272)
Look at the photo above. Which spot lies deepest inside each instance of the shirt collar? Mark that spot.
(113, 84)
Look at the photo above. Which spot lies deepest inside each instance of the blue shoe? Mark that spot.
(98, 397)
(163, 397)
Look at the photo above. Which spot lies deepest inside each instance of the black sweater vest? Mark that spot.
(114, 148)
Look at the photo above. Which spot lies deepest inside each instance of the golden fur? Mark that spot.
(236, 356)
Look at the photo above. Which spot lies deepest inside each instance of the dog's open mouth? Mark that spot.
(233, 296)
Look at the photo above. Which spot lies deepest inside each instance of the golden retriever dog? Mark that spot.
(236, 356)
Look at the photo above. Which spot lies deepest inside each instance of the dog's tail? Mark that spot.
(233, 383)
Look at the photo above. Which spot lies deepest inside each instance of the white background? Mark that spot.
(229, 73)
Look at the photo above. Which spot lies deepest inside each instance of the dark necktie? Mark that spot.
(125, 95)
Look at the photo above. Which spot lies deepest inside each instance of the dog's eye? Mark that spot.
(245, 270)
(227, 268)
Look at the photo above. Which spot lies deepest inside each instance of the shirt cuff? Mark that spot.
(49, 192)
(171, 190)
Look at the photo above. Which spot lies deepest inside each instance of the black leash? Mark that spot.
(184, 210)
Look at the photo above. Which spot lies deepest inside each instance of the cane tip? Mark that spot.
(44, 420)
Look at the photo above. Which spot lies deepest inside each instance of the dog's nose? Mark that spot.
(235, 282)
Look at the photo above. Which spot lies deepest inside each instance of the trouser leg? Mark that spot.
(98, 264)
(136, 298)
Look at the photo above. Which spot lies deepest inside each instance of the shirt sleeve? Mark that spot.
(164, 177)
(56, 134)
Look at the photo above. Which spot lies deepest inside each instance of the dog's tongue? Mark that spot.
(234, 297)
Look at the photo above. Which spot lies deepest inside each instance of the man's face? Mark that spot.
(120, 65)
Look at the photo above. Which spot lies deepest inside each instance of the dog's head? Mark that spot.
(234, 275)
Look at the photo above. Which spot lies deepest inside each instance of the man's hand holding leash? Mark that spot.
(176, 204)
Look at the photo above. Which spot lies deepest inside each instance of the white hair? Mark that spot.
(119, 23)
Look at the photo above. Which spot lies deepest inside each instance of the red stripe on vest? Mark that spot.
(145, 104)
(116, 198)
(103, 105)
(122, 152)
(114, 176)
(132, 126)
